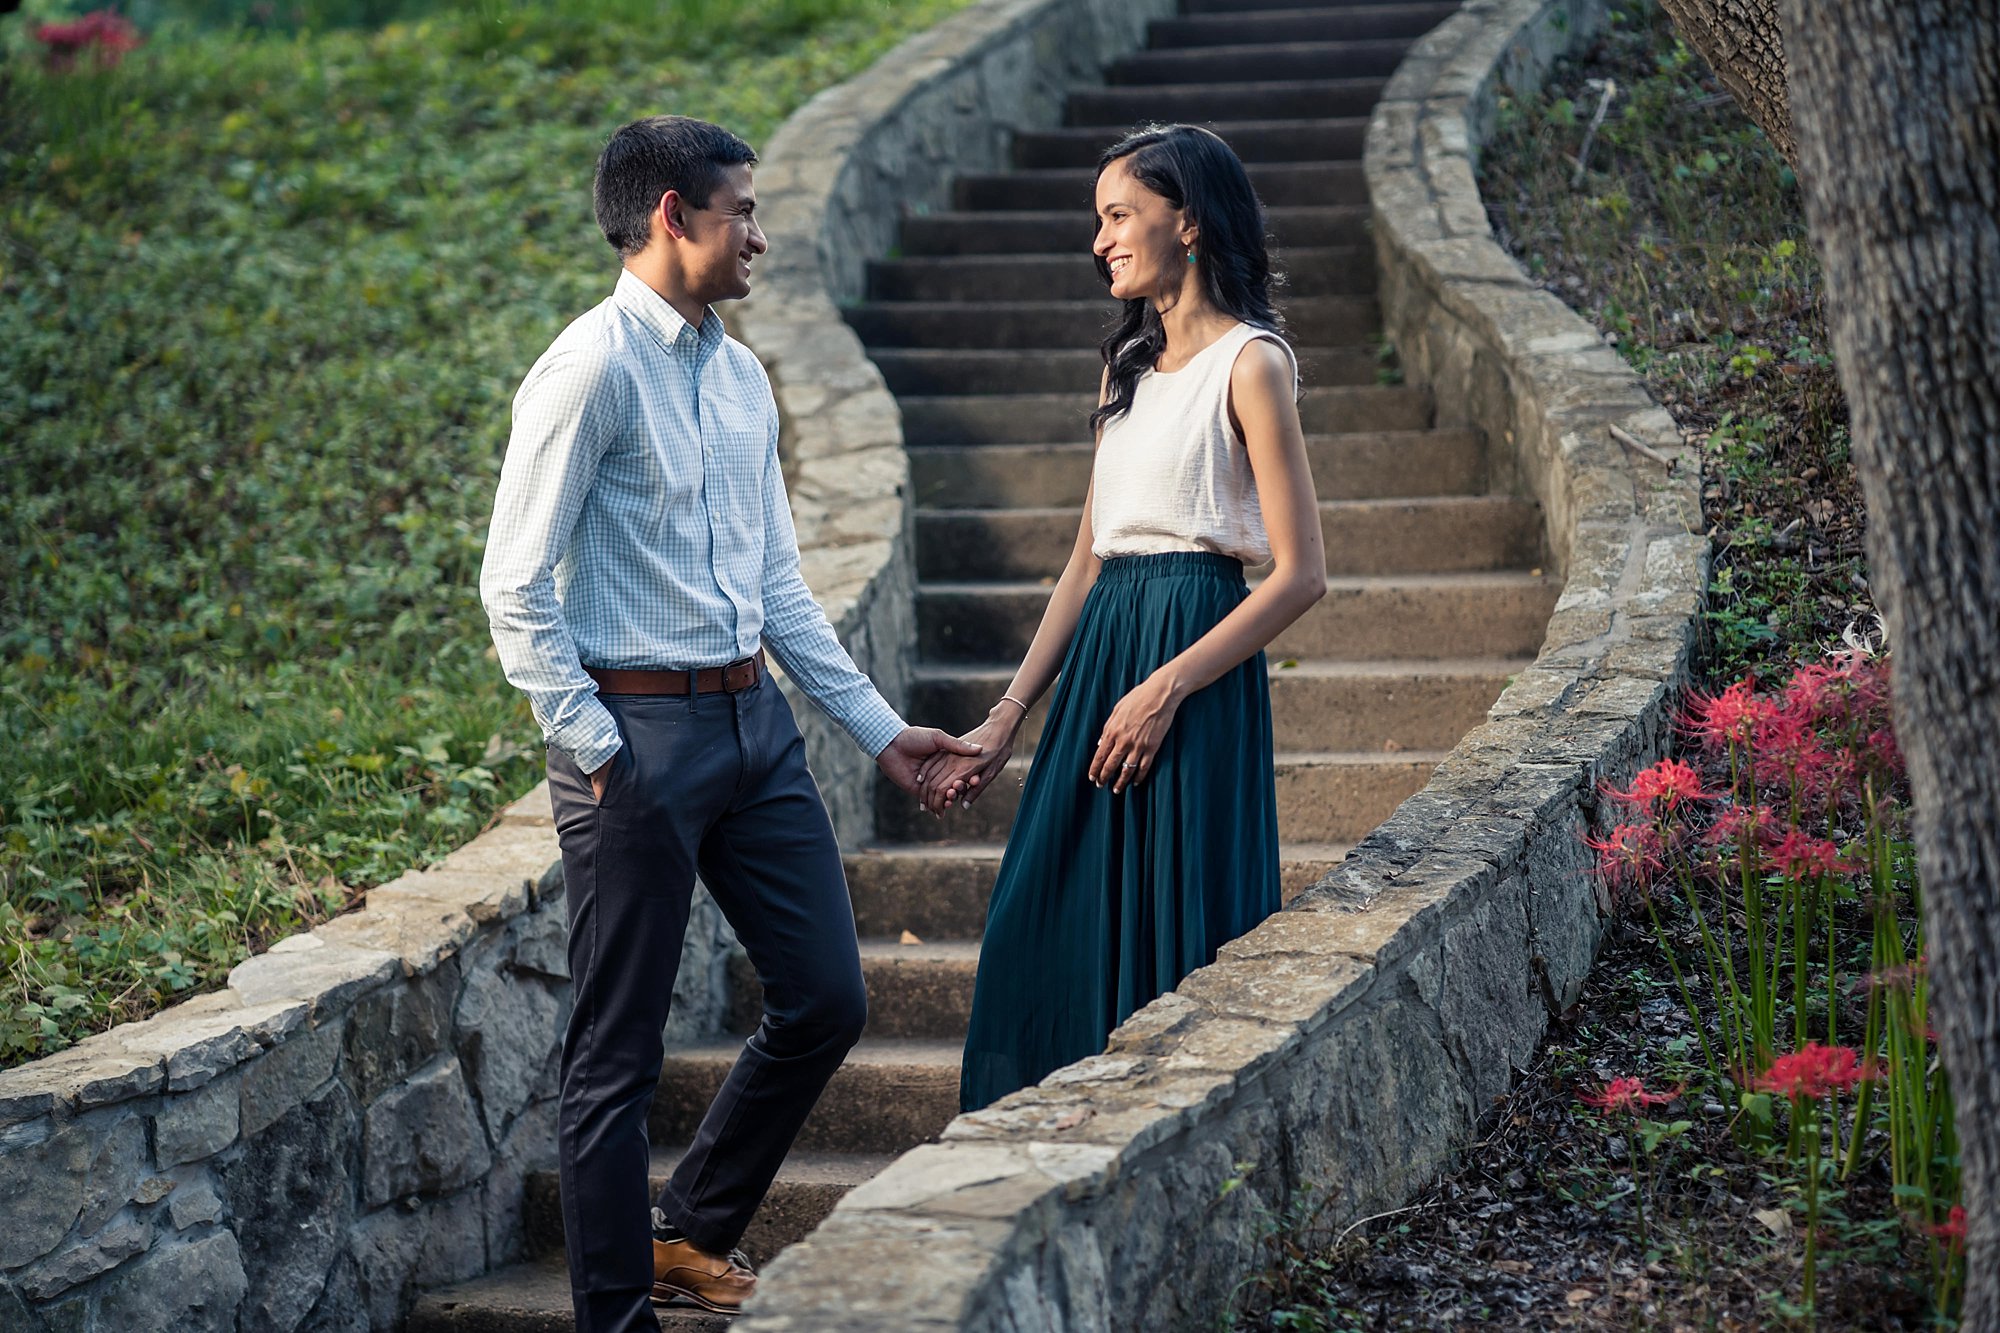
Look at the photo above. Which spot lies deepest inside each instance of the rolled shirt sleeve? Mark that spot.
(797, 632)
(566, 415)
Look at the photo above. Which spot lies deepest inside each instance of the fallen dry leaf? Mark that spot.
(909, 937)
(1776, 1220)
(1578, 1295)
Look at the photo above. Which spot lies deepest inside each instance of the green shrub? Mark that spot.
(265, 299)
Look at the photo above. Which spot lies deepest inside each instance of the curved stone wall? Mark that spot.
(1337, 1053)
(348, 1121)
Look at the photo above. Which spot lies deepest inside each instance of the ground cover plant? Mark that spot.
(1685, 242)
(1743, 1123)
(266, 289)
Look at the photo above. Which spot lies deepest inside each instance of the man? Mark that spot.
(641, 558)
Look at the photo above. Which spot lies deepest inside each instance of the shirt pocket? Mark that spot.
(738, 457)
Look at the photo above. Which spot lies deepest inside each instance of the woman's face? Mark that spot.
(1143, 238)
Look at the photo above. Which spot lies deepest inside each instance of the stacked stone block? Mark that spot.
(349, 1121)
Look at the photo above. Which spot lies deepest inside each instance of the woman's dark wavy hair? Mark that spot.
(1191, 168)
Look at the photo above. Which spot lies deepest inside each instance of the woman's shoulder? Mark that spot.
(1263, 355)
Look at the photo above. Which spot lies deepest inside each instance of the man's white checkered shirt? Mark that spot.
(641, 521)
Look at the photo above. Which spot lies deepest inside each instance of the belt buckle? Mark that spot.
(739, 675)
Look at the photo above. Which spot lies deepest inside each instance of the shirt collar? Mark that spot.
(679, 337)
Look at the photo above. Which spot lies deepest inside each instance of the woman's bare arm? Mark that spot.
(943, 782)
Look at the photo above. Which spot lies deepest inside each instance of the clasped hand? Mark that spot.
(1125, 751)
(946, 780)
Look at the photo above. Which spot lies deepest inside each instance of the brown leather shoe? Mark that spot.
(687, 1277)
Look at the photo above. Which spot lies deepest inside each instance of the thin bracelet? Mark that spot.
(1010, 699)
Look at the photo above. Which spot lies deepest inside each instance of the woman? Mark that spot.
(1147, 834)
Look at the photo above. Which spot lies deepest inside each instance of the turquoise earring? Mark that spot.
(1190, 256)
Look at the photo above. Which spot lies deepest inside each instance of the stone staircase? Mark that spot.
(985, 327)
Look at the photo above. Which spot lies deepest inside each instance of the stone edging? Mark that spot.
(351, 1119)
(1339, 1051)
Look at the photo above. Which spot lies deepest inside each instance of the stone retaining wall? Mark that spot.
(1328, 1062)
(349, 1120)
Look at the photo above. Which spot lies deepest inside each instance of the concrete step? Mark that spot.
(527, 1298)
(888, 1097)
(1321, 271)
(1437, 535)
(1424, 617)
(1321, 139)
(1391, 707)
(1323, 321)
(1274, 24)
(939, 890)
(1064, 418)
(921, 371)
(1323, 796)
(808, 1186)
(1069, 231)
(1369, 57)
(1278, 184)
(1354, 466)
(914, 990)
(1388, 706)
(1202, 101)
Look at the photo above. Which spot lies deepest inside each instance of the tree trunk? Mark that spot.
(1897, 109)
(1740, 40)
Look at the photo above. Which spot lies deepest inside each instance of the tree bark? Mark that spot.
(1897, 109)
(1740, 41)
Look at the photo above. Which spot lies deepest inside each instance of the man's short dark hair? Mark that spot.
(649, 157)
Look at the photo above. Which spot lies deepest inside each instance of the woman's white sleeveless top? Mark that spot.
(1171, 474)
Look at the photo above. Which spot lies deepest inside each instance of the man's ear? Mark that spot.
(672, 214)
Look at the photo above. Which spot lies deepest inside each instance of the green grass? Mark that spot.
(265, 299)
(1685, 242)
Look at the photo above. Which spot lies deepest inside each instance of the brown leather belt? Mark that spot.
(708, 680)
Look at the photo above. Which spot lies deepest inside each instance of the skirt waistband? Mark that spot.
(1170, 564)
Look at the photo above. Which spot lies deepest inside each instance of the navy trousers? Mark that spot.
(715, 785)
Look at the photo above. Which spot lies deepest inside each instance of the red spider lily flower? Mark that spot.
(1632, 853)
(104, 34)
(1744, 826)
(1952, 1229)
(1882, 749)
(1867, 683)
(1729, 718)
(1813, 1071)
(1629, 1094)
(1841, 773)
(1788, 749)
(1800, 855)
(1816, 692)
(1662, 788)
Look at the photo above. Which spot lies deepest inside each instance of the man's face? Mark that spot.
(721, 239)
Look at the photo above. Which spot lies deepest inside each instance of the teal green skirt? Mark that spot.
(1105, 902)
